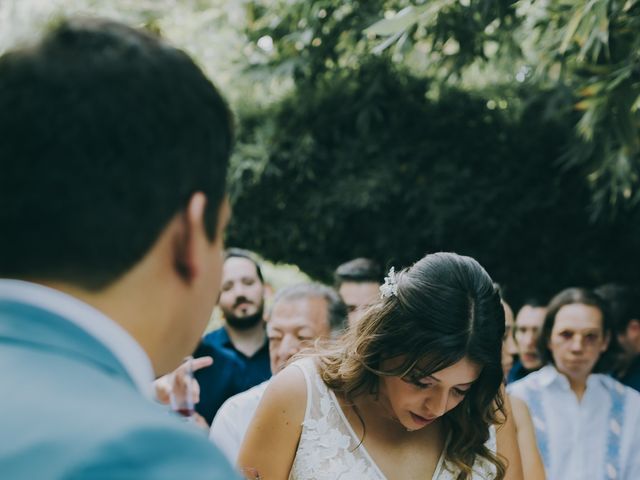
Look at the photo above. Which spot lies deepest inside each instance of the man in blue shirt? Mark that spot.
(240, 349)
(114, 149)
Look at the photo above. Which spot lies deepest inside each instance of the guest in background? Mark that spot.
(624, 304)
(358, 281)
(587, 424)
(529, 322)
(509, 348)
(240, 348)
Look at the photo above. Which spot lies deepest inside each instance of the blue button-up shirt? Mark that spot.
(232, 372)
(517, 372)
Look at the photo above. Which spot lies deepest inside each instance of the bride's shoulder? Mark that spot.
(277, 421)
(288, 385)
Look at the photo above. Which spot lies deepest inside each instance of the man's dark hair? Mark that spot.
(624, 304)
(247, 254)
(533, 302)
(358, 270)
(105, 134)
(336, 309)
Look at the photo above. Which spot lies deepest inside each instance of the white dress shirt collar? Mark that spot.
(550, 374)
(123, 346)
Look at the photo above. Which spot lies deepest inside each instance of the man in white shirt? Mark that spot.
(299, 315)
(587, 424)
(113, 153)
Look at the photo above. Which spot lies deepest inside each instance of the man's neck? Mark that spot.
(578, 386)
(249, 341)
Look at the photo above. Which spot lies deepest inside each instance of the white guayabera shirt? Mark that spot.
(596, 438)
(232, 421)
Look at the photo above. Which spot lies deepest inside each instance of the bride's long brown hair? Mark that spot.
(446, 308)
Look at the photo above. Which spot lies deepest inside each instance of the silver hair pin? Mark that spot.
(390, 286)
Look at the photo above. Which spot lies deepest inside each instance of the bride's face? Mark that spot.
(418, 402)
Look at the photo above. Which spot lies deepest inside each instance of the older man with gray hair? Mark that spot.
(300, 315)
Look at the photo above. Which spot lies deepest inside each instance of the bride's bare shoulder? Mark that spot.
(277, 421)
(288, 385)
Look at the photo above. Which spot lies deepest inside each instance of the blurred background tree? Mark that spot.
(588, 51)
(389, 128)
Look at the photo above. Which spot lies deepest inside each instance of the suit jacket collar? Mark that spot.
(51, 320)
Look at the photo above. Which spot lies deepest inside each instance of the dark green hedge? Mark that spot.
(363, 164)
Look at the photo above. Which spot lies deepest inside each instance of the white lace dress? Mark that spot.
(328, 447)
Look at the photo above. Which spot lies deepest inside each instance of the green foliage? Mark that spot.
(309, 38)
(453, 34)
(506, 130)
(590, 46)
(362, 163)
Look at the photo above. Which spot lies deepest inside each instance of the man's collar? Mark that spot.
(90, 320)
(549, 374)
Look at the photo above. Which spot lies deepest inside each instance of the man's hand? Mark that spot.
(176, 381)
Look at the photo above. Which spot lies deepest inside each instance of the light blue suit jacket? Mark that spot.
(69, 410)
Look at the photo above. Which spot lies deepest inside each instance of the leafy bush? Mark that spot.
(361, 163)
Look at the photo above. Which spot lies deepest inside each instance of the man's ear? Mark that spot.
(190, 238)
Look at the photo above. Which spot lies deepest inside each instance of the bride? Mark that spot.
(413, 391)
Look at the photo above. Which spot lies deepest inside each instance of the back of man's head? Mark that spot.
(358, 281)
(106, 132)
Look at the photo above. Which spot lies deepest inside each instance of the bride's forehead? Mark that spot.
(462, 371)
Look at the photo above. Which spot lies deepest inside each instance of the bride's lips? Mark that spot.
(422, 421)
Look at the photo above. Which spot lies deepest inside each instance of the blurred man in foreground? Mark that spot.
(113, 150)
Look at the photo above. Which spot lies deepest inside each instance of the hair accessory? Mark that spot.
(390, 286)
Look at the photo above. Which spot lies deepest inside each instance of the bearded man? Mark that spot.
(240, 349)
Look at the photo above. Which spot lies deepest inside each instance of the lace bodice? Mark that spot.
(330, 450)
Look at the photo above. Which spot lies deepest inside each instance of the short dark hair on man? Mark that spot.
(106, 132)
(249, 255)
(358, 270)
(534, 302)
